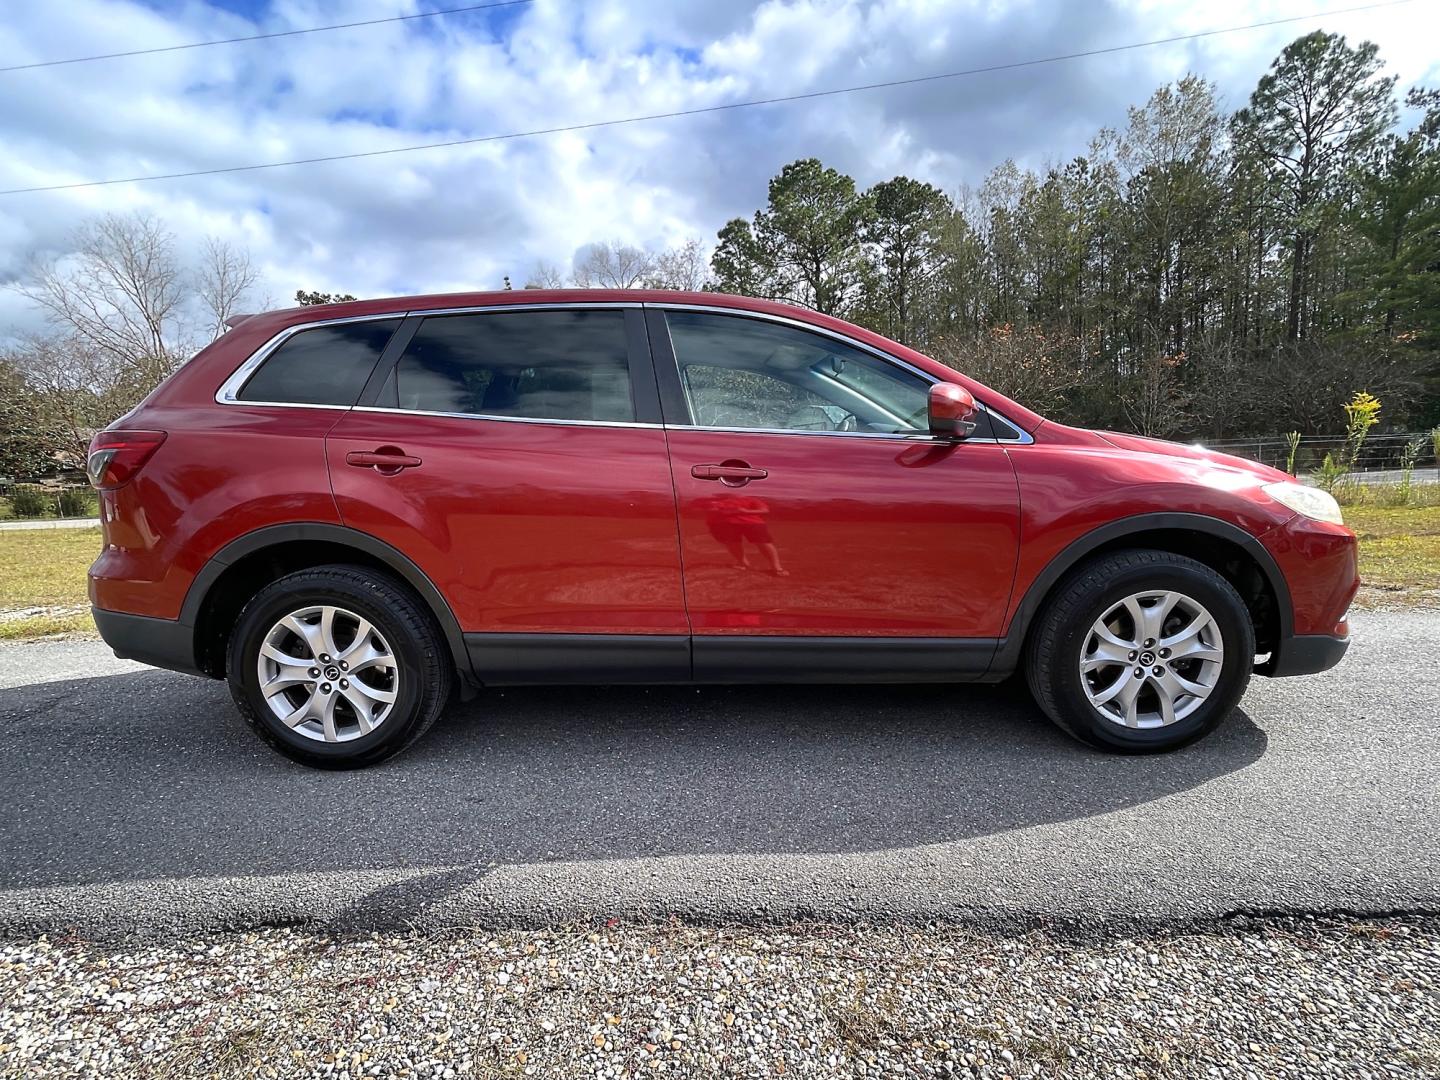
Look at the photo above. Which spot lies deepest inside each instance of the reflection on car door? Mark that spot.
(515, 456)
(823, 533)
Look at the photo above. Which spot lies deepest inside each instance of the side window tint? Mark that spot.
(324, 366)
(539, 365)
(730, 397)
(749, 373)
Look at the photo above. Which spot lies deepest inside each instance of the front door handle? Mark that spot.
(386, 459)
(729, 473)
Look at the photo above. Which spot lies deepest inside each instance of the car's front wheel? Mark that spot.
(1141, 652)
(338, 666)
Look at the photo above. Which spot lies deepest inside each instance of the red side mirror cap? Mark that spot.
(952, 411)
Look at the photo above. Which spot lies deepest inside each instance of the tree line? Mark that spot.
(1194, 274)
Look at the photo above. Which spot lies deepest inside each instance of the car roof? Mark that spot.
(496, 298)
(255, 328)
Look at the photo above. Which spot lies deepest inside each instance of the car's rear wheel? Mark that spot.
(1141, 652)
(338, 666)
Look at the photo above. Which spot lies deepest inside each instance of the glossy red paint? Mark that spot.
(565, 528)
(846, 536)
(222, 472)
(523, 527)
(1319, 562)
(951, 410)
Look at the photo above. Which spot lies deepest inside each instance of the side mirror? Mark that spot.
(951, 410)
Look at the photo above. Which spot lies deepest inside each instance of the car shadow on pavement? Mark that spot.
(151, 775)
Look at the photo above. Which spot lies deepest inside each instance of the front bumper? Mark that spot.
(1305, 654)
(163, 643)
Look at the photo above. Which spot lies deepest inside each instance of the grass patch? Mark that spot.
(45, 567)
(36, 626)
(1399, 546)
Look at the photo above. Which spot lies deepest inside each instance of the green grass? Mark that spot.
(45, 568)
(1399, 548)
(1399, 555)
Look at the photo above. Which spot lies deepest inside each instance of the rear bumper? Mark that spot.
(163, 643)
(1305, 654)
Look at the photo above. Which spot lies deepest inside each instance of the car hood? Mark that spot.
(1190, 452)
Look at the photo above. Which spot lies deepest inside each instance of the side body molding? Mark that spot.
(314, 531)
(1007, 656)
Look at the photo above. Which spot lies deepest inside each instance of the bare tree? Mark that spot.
(125, 312)
(76, 388)
(119, 294)
(545, 275)
(1037, 369)
(686, 267)
(612, 265)
(225, 277)
(1156, 400)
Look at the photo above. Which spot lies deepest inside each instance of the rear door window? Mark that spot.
(326, 365)
(539, 365)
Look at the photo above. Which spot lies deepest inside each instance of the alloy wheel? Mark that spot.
(328, 674)
(1151, 659)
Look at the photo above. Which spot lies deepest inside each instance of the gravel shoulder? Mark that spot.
(1299, 998)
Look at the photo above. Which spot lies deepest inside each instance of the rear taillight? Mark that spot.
(116, 456)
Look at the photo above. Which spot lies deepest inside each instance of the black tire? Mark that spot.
(426, 668)
(1059, 637)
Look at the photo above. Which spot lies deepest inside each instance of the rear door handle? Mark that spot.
(387, 459)
(730, 473)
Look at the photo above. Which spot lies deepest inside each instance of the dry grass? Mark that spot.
(45, 568)
(1399, 549)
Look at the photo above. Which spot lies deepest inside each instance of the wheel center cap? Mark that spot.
(332, 672)
(1147, 658)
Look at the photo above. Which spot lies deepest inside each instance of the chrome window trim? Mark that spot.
(503, 419)
(229, 391)
(894, 436)
(1024, 439)
(231, 387)
(568, 305)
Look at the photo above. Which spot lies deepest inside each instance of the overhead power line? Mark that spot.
(265, 37)
(699, 110)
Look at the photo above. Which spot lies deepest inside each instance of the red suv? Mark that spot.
(353, 512)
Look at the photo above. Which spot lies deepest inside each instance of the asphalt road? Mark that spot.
(134, 800)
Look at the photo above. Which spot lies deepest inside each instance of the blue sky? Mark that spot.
(464, 218)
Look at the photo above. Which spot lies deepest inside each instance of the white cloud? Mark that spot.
(464, 217)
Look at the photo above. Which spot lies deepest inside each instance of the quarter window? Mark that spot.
(748, 373)
(327, 365)
(541, 365)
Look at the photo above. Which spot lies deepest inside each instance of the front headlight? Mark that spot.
(1312, 502)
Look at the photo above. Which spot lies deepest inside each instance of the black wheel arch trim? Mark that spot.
(1007, 656)
(272, 535)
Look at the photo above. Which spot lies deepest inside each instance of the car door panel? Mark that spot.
(538, 529)
(871, 529)
(846, 535)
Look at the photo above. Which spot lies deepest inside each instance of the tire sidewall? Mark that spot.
(279, 599)
(1237, 636)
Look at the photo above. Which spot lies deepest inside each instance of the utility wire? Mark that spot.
(698, 111)
(265, 37)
